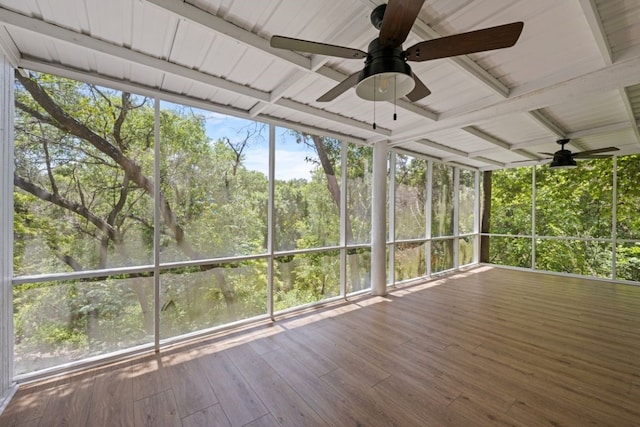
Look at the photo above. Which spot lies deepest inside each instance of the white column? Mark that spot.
(6, 232)
(271, 219)
(378, 220)
(456, 217)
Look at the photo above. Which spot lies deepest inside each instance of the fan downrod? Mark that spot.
(377, 15)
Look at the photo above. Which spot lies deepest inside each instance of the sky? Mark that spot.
(290, 156)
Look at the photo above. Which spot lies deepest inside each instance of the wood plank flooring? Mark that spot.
(488, 346)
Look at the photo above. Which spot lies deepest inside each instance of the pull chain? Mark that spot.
(374, 102)
(395, 116)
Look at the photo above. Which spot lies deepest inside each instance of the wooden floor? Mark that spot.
(484, 347)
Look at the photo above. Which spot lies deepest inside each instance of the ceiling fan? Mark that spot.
(386, 74)
(565, 159)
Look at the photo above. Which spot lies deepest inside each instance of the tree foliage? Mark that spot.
(84, 201)
(575, 207)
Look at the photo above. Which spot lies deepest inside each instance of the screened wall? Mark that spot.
(581, 221)
(433, 217)
(248, 220)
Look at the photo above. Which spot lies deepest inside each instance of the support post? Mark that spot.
(378, 220)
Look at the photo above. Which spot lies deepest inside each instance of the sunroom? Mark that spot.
(170, 174)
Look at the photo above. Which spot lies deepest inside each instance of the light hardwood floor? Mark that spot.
(484, 347)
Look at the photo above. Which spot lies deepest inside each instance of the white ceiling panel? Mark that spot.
(623, 31)
(153, 30)
(625, 140)
(461, 140)
(449, 87)
(516, 128)
(558, 79)
(602, 109)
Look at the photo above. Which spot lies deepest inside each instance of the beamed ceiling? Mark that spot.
(574, 73)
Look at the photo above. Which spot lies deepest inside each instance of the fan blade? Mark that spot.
(594, 156)
(340, 88)
(537, 161)
(399, 17)
(547, 154)
(419, 91)
(299, 45)
(462, 44)
(597, 151)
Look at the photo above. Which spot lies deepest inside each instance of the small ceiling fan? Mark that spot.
(565, 159)
(386, 74)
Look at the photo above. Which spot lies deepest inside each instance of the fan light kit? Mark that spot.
(385, 86)
(386, 76)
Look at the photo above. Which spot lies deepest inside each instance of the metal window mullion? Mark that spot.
(343, 219)
(271, 220)
(156, 225)
(428, 214)
(533, 216)
(614, 219)
(456, 217)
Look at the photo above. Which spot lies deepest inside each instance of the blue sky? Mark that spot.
(290, 156)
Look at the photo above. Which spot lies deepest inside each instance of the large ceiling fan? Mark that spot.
(565, 159)
(386, 74)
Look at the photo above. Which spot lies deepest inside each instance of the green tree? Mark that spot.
(84, 194)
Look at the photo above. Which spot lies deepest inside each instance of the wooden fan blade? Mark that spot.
(340, 88)
(419, 91)
(594, 156)
(462, 44)
(538, 161)
(399, 17)
(299, 45)
(597, 151)
(547, 154)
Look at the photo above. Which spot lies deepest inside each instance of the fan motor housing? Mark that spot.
(562, 159)
(377, 15)
(385, 61)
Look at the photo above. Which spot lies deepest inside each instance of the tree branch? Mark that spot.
(64, 121)
(117, 126)
(47, 158)
(76, 208)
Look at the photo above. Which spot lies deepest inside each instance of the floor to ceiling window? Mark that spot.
(585, 219)
(247, 220)
(82, 206)
(307, 218)
(510, 217)
(467, 216)
(410, 217)
(627, 225)
(442, 218)
(433, 216)
(214, 174)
